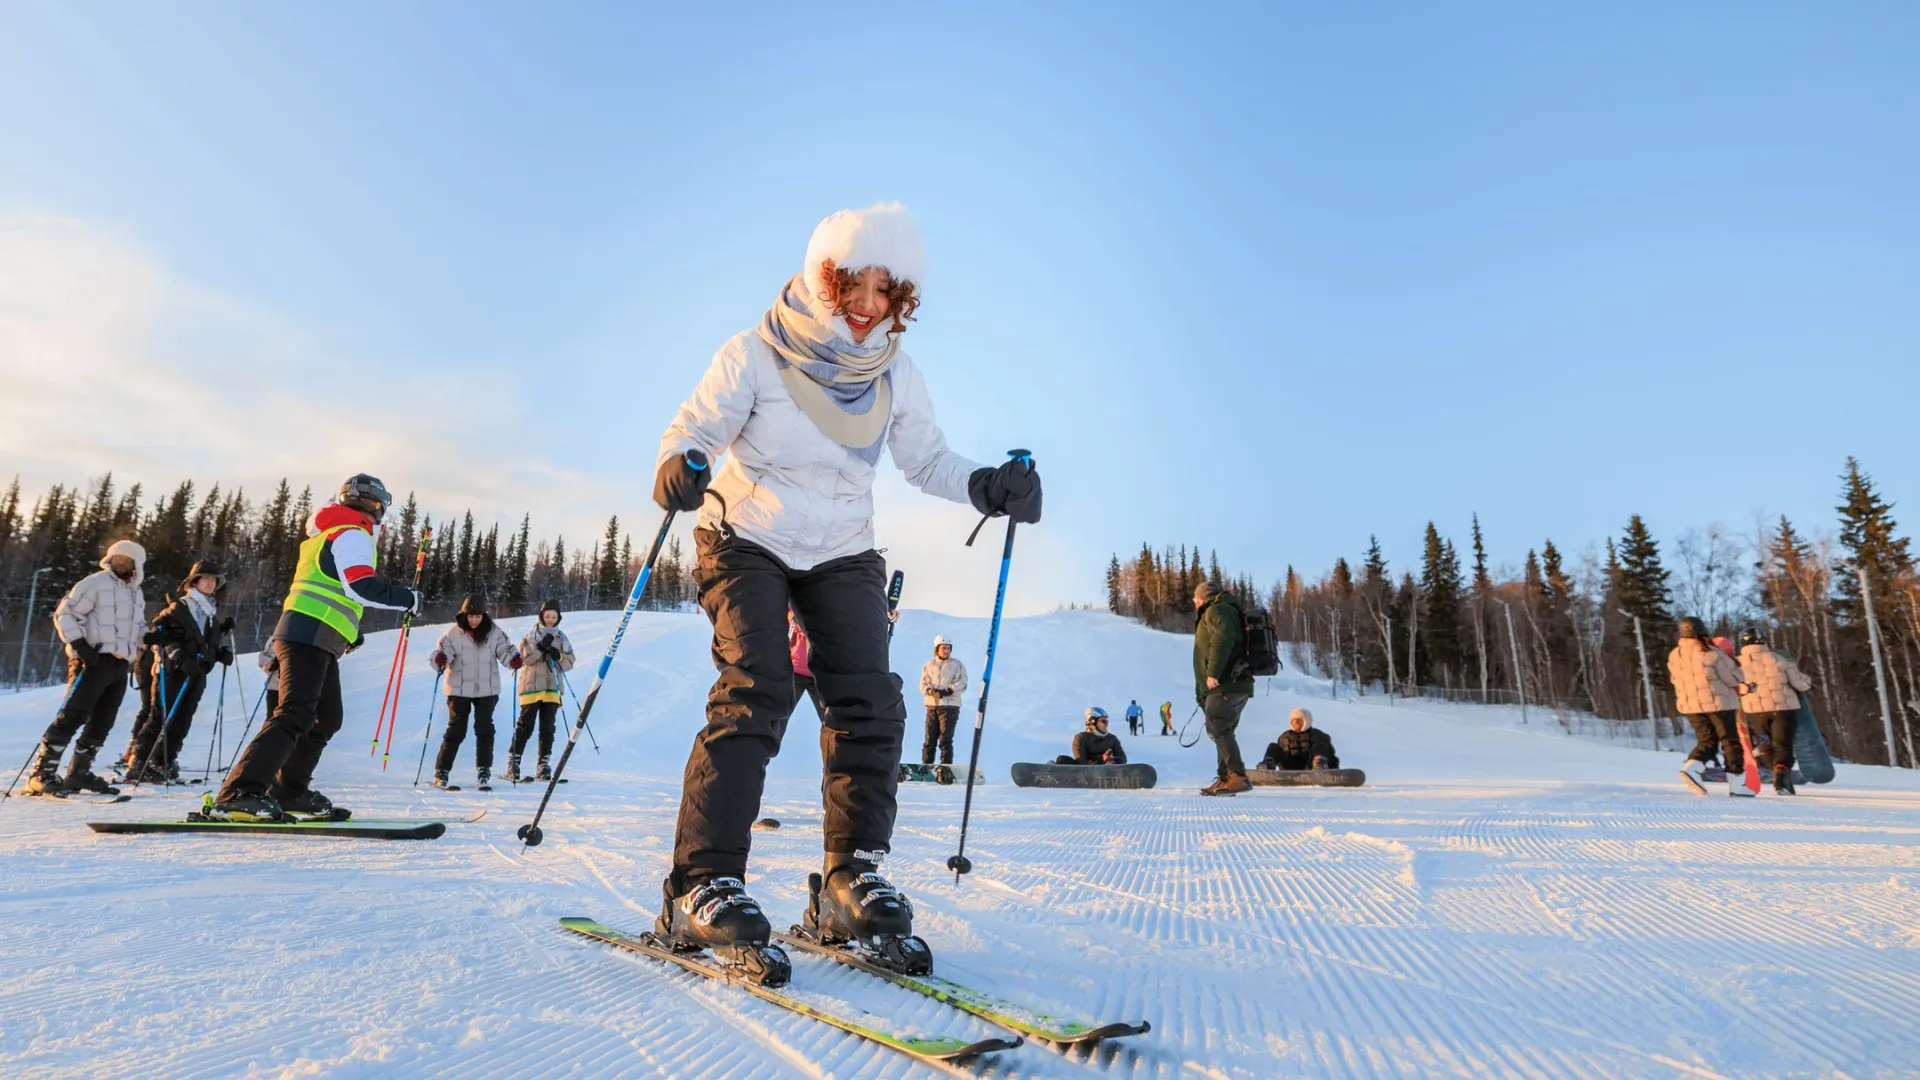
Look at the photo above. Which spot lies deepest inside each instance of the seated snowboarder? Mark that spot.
(1301, 746)
(1095, 746)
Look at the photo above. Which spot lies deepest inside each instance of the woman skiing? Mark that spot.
(185, 639)
(470, 655)
(802, 406)
(545, 655)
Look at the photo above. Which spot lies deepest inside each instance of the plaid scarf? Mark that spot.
(844, 388)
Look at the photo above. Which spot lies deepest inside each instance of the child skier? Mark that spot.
(333, 583)
(186, 645)
(470, 654)
(803, 405)
(545, 655)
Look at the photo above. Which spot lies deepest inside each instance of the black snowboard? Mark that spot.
(1306, 777)
(1032, 774)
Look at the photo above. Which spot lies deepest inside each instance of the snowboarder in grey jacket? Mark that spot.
(793, 417)
(545, 657)
(100, 619)
(470, 654)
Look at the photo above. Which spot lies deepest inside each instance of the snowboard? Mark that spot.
(1810, 747)
(1306, 777)
(1040, 774)
(930, 774)
(358, 830)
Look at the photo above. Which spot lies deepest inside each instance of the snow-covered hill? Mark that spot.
(1498, 901)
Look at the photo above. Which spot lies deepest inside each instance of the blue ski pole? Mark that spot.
(426, 736)
(529, 833)
(960, 864)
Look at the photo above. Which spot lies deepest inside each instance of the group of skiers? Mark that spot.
(1711, 689)
(468, 659)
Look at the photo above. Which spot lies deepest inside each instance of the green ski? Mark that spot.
(932, 1049)
(1015, 1018)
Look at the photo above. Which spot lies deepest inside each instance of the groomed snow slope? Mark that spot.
(1497, 902)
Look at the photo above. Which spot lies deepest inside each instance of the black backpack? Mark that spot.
(1259, 645)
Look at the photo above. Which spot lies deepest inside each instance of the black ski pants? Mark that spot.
(458, 710)
(163, 690)
(281, 759)
(92, 702)
(546, 712)
(1223, 722)
(1719, 729)
(746, 591)
(1780, 728)
(941, 721)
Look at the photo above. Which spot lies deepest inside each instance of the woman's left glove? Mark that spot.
(681, 482)
(1012, 489)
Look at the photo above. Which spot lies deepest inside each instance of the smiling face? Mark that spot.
(549, 617)
(865, 303)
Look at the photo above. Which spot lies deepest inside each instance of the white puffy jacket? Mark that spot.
(106, 611)
(949, 674)
(788, 487)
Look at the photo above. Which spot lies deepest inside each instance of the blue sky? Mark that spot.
(1266, 279)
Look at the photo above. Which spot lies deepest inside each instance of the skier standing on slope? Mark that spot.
(1301, 746)
(1166, 718)
(470, 654)
(802, 406)
(334, 581)
(1222, 684)
(545, 657)
(942, 681)
(1136, 720)
(186, 646)
(1771, 701)
(1096, 745)
(1706, 688)
(99, 620)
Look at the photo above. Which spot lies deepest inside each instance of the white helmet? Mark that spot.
(942, 639)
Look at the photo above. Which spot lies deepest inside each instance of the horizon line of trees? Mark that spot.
(58, 539)
(1562, 632)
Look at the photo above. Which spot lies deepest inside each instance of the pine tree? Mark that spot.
(1643, 591)
(1113, 582)
(1440, 619)
(168, 538)
(608, 589)
(1868, 540)
(515, 590)
(9, 516)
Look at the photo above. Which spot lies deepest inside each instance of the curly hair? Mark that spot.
(903, 297)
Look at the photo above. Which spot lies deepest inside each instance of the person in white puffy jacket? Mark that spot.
(101, 619)
(777, 450)
(470, 655)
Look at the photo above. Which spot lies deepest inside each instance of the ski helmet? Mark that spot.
(1691, 627)
(941, 639)
(365, 494)
(1752, 635)
(1095, 715)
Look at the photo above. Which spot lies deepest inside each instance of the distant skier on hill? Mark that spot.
(1135, 717)
(1301, 746)
(1166, 718)
(1095, 745)
(793, 416)
(334, 581)
(942, 681)
(546, 655)
(1707, 685)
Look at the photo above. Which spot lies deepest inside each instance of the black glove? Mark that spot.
(681, 482)
(225, 656)
(82, 648)
(226, 625)
(358, 640)
(941, 691)
(1012, 489)
(150, 638)
(549, 650)
(206, 665)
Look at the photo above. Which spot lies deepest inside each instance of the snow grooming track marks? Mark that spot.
(818, 1005)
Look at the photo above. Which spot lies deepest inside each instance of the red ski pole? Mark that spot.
(390, 702)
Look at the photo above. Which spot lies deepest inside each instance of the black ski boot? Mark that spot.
(546, 771)
(1782, 780)
(80, 776)
(312, 806)
(721, 918)
(486, 780)
(512, 775)
(244, 807)
(440, 781)
(43, 776)
(854, 904)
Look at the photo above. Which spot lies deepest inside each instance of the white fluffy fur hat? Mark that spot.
(882, 235)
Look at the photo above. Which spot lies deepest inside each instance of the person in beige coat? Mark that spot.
(470, 654)
(101, 619)
(1772, 701)
(1706, 689)
(942, 681)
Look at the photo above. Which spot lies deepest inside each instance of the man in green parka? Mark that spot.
(1221, 682)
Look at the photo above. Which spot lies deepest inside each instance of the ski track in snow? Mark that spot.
(1501, 901)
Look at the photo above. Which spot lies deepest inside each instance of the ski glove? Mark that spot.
(419, 602)
(551, 651)
(681, 481)
(514, 663)
(1012, 489)
(226, 625)
(440, 663)
(89, 656)
(225, 656)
